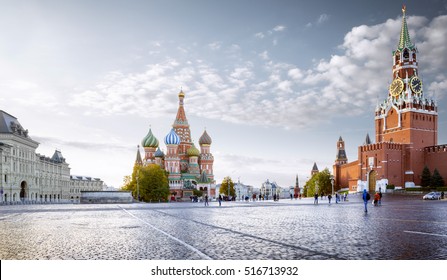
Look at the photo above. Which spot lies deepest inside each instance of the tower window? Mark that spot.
(406, 54)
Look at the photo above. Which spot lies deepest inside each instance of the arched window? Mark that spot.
(406, 55)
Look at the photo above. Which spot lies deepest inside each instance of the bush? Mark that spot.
(390, 187)
(415, 189)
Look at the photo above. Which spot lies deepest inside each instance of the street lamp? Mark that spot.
(228, 183)
(138, 185)
(332, 182)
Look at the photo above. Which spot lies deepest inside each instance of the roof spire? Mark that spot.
(138, 160)
(404, 40)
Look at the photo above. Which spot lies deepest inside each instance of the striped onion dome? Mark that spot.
(205, 139)
(149, 140)
(159, 153)
(172, 138)
(193, 151)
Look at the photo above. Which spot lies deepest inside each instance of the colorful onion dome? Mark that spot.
(172, 138)
(149, 140)
(193, 151)
(205, 139)
(159, 153)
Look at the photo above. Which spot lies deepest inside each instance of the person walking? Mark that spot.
(329, 197)
(366, 197)
(206, 200)
(220, 200)
(376, 199)
(380, 197)
(316, 198)
(336, 198)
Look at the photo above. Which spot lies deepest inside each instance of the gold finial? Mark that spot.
(404, 8)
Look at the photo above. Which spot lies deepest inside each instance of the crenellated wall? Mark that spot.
(436, 157)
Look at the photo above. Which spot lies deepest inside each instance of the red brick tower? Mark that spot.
(407, 117)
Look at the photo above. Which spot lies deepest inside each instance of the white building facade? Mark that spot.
(28, 177)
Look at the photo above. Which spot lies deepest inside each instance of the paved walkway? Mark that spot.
(404, 227)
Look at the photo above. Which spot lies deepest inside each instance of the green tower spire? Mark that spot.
(404, 41)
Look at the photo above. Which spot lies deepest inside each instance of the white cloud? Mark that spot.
(260, 35)
(319, 21)
(348, 82)
(322, 19)
(215, 45)
(296, 74)
(264, 55)
(279, 28)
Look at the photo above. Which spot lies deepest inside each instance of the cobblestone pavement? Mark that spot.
(404, 227)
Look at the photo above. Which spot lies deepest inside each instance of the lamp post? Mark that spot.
(332, 183)
(228, 183)
(138, 185)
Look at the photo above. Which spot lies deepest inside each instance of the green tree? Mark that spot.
(197, 192)
(319, 183)
(436, 179)
(130, 181)
(150, 181)
(425, 177)
(153, 183)
(224, 187)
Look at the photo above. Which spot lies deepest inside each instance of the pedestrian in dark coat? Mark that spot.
(366, 197)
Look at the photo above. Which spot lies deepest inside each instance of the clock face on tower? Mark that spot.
(396, 87)
(416, 85)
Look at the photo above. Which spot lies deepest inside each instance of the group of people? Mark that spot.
(377, 200)
(338, 197)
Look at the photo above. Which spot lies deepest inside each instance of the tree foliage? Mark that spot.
(319, 183)
(151, 182)
(425, 177)
(436, 179)
(224, 187)
(197, 192)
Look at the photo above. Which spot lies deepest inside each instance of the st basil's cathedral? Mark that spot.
(187, 167)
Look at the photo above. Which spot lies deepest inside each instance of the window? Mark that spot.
(406, 54)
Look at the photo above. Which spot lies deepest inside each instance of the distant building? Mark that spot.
(406, 135)
(29, 177)
(268, 189)
(242, 191)
(79, 184)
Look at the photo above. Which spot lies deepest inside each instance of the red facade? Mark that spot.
(406, 127)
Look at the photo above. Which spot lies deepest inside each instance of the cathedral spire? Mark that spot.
(181, 125)
(138, 160)
(404, 41)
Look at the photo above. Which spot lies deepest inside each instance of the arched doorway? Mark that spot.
(23, 190)
(372, 181)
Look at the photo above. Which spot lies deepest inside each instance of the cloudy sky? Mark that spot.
(275, 83)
